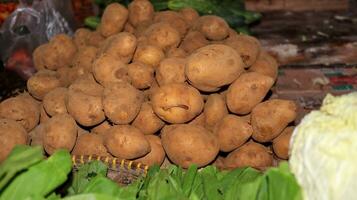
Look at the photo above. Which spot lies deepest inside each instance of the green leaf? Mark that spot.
(101, 185)
(41, 179)
(211, 184)
(92, 197)
(189, 179)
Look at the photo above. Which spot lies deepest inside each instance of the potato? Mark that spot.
(247, 47)
(157, 153)
(219, 162)
(113, 19)
(85, 58)
(36, 135)
(232, 132)
(101, 128)
(80, 37)
(281, 143)
(190, 15)
(269, 118)
(55, 101)
(250, 154)
(44, 117)
(148, 54)
(193, 40)
(42, 82)
(122, 102)
(247, 91)
(90, 144)
(11, 134)
(141, 75)
(87, 110)
(107, 70)
(22, 109)
(213, 66)
(125, 141)
(87, 85)
(163, 35)
(176, 53)
(140, 30)
(213, 27)
(66, 76)
(60, 132)
(171, 70)
(121, 46)
(215, 109)
(37, 56)
(174, 19)
(177, 103)
(147, 121)
(81, 131)
(200, 120)
(95, 39)
(129, 28)
(266, 65)
(187, 144)
(140, 11)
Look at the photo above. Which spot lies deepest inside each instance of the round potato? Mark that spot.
(187, 144)
(176, 53)
(85, 58)
(55, 101)
(42, 82)
(177, 103)
(190, 15)
(266, 65)
(173, 18)
(128, 142)
(157, 153)
(113, 19)
(213, 27)
(249, 155)
(147, 121)
(163, 35)
(122, 102)
(60, 132)
(90, 144)
(247, 91)
(232, 132)
(213, 66)
(101, 128)
(11, 134)
(193, 40)
(87, 85)
(148, 54)
(269, 118)
(80, 37)
(141, 75)
(140, 11)
(171, 70)
(281, 143)
(215, 109)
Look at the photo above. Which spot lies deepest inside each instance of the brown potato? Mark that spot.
(269, 118)
(215, 109)
(140, 11)
(200, 120)
(193, 40)
(85, 58)
(247, 91)
(157, 153)
(101, 128)
(66, 76)
(87, 85)
(281, 143)
(213, 66)
(190, 15)
(129, 28)
(42, 82)
(250, 154)
(176, 53)
(37, 56)
(11, 134)
(125, 141)
(44, 117)
(173, 18)
(60, 132)
(148, 54)
(22, 109)
(36, 135)
(95, 39)
(55, 101)
(122, 102)
(163, 35)
(141, 75)
(171, 70)
(219, 162)
(140, 31)
(266, 65)
(90, 144)
(187, 144)
(113, 19)
(147, 121)
(177, 103)
(213, 27)
(80, 37)
(232, 132)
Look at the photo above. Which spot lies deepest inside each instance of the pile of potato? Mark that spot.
(153, 86)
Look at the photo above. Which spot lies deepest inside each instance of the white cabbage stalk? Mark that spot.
(323, 150)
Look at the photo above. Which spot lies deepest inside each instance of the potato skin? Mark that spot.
(157, 153)
(122, 102)
(140, 11)
(171, 70)
(176, 53)
(11, 134)
(55, 101)
(101, 128)
(269, 118)
(266, 65)
(163, 35)
(213, 66)
(174, 19)
(84, 58)
(125, 141)
(95, 39)
(187, 144)
(37, 56)
(190, 15)
(193, 40)
(42, 82)
(148, 54)
(60, 132)
(248, 91)
(113, 19)
(232, 132)
(213, 27)
(177, 103)
(80, 37)
(281, 143)
(147, 121)
(36, 135)
(250, 154)
(215, 109)
(87, 85)
(141, 75)
(90, 144)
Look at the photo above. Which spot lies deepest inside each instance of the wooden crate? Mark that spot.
(296, 5)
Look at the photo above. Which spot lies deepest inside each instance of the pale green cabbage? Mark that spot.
(323, 150)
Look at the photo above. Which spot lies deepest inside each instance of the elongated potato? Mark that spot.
(148, 54)
(247, 91)
(171, 70)
(187, 144)
(177, 103)
(269, 118)
(163, 35)
(42, 82)
(90, 144)
(266, 65)
(141, 75)
(140, 11)
(147, 121)
(84, 58)
(281, 143)
(215, 109)
(193, 40)
(157, 153)
(113, 19)
(55, 101)
(128, 142)
(87, 85)
(213, 27)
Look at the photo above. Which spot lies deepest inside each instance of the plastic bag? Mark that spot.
(33, 23)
